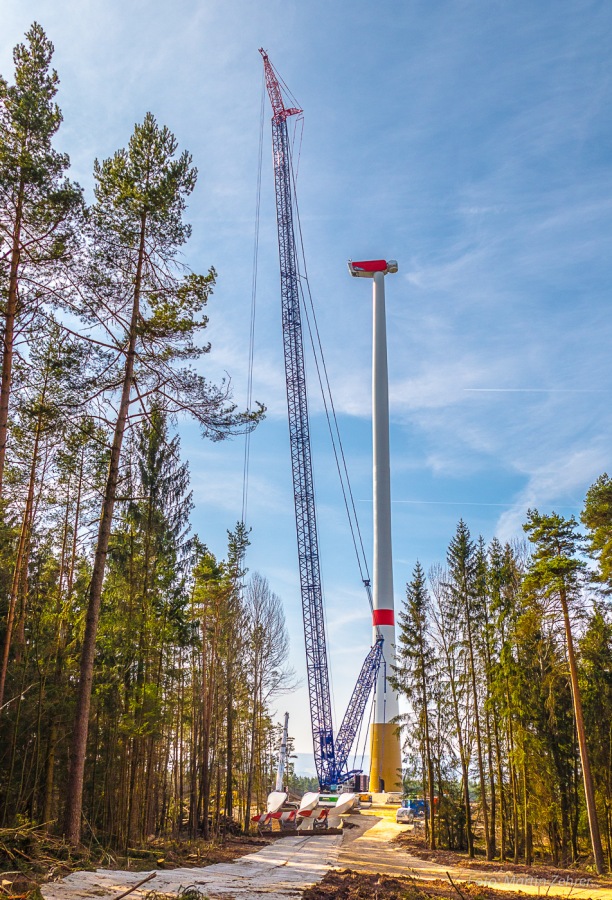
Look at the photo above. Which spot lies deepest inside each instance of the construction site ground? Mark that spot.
(388, 851)
(374, 859)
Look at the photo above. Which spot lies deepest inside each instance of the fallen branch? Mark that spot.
(136, 886)
(451, 881)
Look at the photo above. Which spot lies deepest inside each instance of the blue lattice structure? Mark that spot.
(330, 756)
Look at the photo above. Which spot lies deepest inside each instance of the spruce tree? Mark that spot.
(413, 674)
(144, 614)
(51, 380)
(462, 563)
(503, 583)
(447, 636)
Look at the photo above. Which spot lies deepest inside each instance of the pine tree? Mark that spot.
(557, 573)
(597, 516)
(596, 689)
(153, 316)
(238, 541)
(39, 208)
(208, 602)
(542, 710)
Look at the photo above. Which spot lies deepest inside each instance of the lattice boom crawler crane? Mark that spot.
(330, 752)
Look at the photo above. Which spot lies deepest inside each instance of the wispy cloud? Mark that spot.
(486, 173)
(537, 390)
(562, 476)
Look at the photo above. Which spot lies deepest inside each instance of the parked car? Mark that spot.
(394, 797)
(419, 806)
(404, 816)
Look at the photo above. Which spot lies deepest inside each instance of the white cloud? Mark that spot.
(547, 487)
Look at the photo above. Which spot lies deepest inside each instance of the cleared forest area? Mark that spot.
(122, 716)
(138, 672)
(505, 653)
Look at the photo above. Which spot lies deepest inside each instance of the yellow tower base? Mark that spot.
(386, 758)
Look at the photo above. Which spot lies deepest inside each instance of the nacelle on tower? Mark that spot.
(367, 268)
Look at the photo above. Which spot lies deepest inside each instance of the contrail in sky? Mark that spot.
(473, 503)
(536, 390)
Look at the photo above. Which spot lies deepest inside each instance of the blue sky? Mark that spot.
(469, 139)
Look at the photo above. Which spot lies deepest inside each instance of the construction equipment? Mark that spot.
(330, 754)
(282, 756)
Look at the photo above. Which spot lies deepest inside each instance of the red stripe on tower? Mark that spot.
(383, 617)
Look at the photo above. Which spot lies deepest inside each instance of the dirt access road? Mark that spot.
(370, 847)
(281, 871)
(285, 868)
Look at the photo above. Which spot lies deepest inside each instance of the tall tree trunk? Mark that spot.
(74, 803)
(60, 637)
(150, 795)
(493, 822)
(207, 712)
(500, 781)
(483, 790)
(229, 771)
(425, 780)
(251, 764)
(8, 804)
(20, 562)
(515, 815)
(513, 776)
(528, 825)
(8, 337)
(50, 774)
(589, 792)
(464, 761)
(428, 758)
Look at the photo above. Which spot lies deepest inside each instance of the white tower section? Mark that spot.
(386, 707)
(385, 771)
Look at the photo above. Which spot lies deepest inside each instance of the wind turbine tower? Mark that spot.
(385, 751)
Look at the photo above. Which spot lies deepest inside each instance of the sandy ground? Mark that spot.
(281, 871)
(371, 848)
(284, 869)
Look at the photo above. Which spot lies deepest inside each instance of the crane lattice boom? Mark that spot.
(329, 763)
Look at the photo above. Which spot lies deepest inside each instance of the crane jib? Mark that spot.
(299, 437)
(330, 756)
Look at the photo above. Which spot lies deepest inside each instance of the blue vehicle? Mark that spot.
(419, 807)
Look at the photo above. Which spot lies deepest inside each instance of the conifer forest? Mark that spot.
(139, 674)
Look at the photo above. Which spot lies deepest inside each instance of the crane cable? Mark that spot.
(365, 737)
(330, 410)
(247, 441)
(313, 329)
